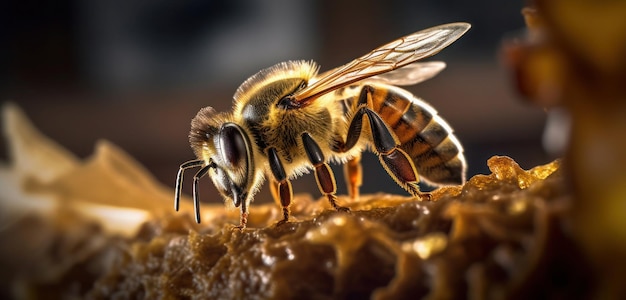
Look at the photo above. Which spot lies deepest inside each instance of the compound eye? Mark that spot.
(232, 145)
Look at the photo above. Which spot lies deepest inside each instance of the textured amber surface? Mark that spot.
(499, 235)
(574, 58)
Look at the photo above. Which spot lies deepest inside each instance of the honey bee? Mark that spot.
(288, 120)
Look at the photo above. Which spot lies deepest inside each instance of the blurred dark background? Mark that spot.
(136, 72)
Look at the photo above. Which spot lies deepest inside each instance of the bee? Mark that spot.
(288, 120)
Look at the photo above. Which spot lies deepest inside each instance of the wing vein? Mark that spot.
(386, 58)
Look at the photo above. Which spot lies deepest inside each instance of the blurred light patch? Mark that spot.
(428, 245)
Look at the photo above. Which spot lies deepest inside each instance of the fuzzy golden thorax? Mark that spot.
(257, 109)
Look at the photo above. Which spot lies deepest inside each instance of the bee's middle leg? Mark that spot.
(353, 173)
(323, 173)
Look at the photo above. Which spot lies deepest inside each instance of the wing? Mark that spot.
(386, 58)
(411, 74)
(407, 75)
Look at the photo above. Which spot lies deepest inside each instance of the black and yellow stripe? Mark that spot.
(423, 135)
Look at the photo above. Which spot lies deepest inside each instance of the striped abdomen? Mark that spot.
(423, 135)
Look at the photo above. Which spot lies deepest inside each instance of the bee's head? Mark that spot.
(226, 148)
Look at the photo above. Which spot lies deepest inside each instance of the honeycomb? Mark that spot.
(500, 235)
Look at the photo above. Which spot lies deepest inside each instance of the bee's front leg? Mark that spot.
(323, 173)
(243, 221)
(282, 185)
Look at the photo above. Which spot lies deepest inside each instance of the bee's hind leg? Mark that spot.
(323, 173)
(395, 161)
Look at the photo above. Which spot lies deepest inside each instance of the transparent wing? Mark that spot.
(407, 75)
(411, 74)
(394, 55)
